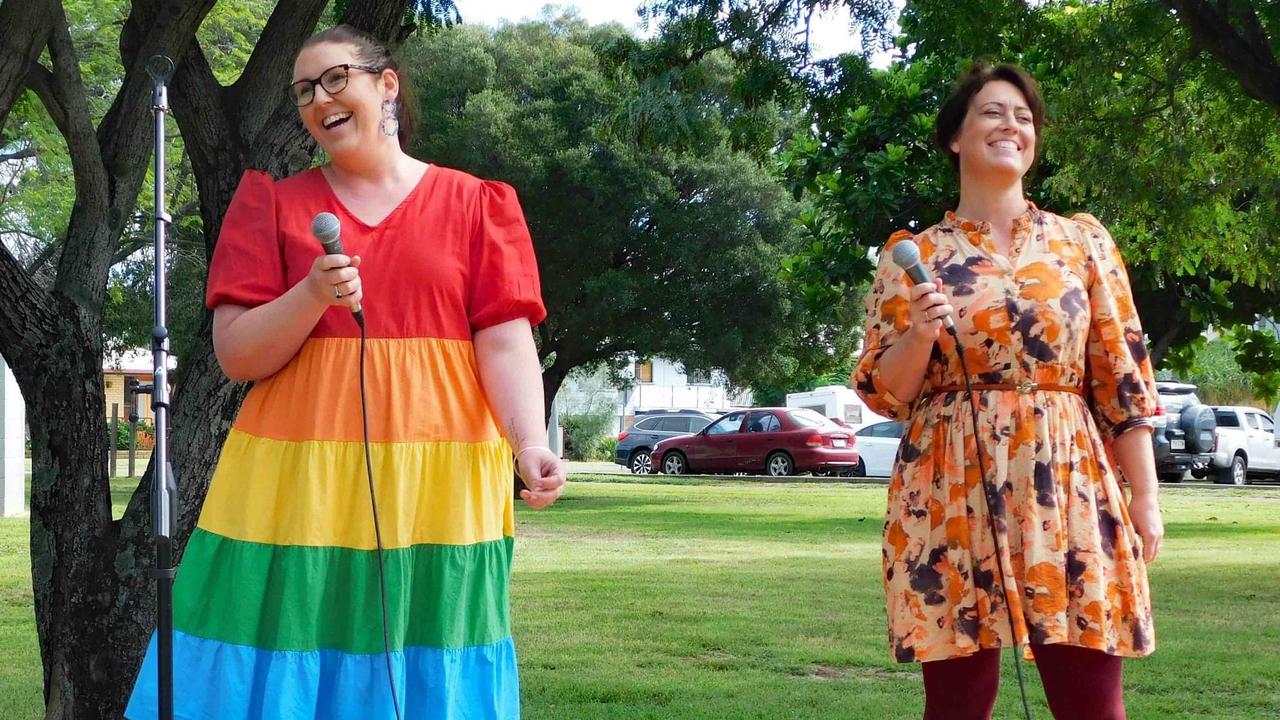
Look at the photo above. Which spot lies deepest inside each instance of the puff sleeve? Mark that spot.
(888, 308)
(1120, 382)
(248, 262)
(504, 272)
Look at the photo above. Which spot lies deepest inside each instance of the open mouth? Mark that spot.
(335, 120)
(1006, 145)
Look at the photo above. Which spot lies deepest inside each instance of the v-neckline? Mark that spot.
(427, 173)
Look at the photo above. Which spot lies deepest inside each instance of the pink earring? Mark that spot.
(390, 125)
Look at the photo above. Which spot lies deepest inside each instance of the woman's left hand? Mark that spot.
(543, 474)
(1144, 512)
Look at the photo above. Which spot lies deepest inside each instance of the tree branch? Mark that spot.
(132, 244)
(265, 76)
(775, 16)
(1252, 26)
(40, 80)
(201, 113)
(27, 307)
(381, 19)
(26, 26)
(46, 253)
(1245, 54)
(91, 180)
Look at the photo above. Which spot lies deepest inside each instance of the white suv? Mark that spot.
(1246, 444)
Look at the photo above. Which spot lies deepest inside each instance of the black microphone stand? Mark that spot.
(164, 493)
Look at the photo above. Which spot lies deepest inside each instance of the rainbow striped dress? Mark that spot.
(277, 612)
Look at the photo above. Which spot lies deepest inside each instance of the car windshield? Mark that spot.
(809, 418)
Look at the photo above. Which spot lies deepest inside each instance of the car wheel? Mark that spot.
(860, 470)
(641, 463)
(1171, 476)
(779, 464)
(1237, 473)
(674, 464)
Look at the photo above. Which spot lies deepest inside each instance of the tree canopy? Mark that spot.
(1145, 130)
(658, 229)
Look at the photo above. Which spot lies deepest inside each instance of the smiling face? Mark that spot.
(997, 139)
(345, 123)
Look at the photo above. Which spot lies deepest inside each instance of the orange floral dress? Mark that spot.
(1057, 311)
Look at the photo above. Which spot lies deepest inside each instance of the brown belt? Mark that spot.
(1025, 387)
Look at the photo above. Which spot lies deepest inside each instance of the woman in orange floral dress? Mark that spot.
(1046, 320)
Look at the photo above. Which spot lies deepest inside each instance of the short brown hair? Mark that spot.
(372, 51)
(952, 113)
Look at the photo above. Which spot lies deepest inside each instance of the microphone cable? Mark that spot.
(988, 492)
(377, 526)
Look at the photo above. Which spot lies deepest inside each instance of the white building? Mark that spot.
(13, 429)
(656, 384)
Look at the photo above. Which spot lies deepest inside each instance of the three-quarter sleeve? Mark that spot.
(888, 307)
(504, 272)
(1121, 384)
(248, 262)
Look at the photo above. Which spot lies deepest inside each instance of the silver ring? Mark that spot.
(336, 292)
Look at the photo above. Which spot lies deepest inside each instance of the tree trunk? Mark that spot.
(71, 534)
(1164, 341)
(94, 604)
(552, 378)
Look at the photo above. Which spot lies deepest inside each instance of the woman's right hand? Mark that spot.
(335, 280)
(928, 307)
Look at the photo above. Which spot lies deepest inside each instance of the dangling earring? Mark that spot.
(390, 125)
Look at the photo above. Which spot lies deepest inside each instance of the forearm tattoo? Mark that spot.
(514, 437)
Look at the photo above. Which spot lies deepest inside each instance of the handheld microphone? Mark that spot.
(907, 256)
(327, 228)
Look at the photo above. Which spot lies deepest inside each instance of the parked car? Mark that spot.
(1246, 444)
(775, 441)
(878, 448)
(635, 444)
(1184, 432)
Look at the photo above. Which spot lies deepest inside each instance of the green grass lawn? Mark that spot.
(727, 600)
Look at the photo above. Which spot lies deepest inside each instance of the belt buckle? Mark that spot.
(1026, 387)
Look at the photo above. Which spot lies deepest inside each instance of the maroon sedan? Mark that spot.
(773, 441)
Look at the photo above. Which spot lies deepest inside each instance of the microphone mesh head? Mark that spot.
(906, 254)
(326, 227)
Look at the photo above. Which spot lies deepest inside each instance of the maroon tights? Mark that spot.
(1080, 684)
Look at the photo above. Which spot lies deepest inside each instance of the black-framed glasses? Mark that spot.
(333, 80)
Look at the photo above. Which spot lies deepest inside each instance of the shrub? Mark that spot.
(607, 448)
(145, 432)
(583, 435)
